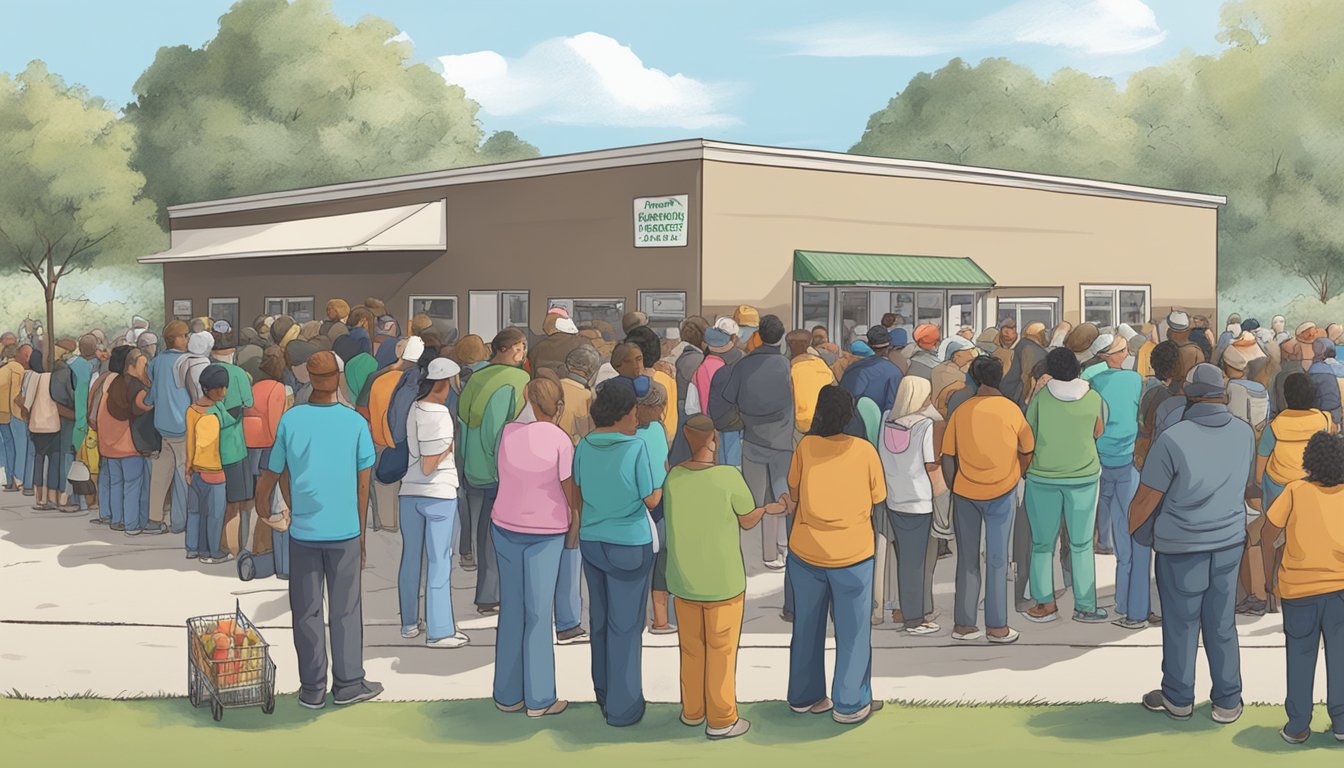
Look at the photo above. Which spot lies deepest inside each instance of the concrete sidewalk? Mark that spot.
(88, 610)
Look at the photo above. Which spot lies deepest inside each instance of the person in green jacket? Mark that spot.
(1066, 416)
(494, 396)
(239, 483)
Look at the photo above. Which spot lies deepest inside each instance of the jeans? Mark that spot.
(333, 565)
(730, 448)
(480, 505)
(708, 639)
(105, 491)
(1132, 559)
(167, 480)
(205, 518)
(529, 568)
(23, 451)
(912, 534)
(1305, 621)
(427, 534)
(618, 588)
(1074, 502)
(996, 516)
(847, 594)
(1199, 594)
(568, 602)
(7, 454)
(126, 491)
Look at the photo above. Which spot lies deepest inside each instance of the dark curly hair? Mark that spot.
(650, 346)
(1163, 359)
(987, 371)
(835, 408)
(1062, 364)
(1299, 392)
(1324, 459)
(611, 405)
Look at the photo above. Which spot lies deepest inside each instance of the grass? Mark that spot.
(169, 732)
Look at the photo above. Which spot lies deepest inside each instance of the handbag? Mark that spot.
(144, 435)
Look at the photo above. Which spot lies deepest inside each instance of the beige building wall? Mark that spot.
(756, 216)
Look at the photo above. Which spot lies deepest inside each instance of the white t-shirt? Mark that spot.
(429, 431)
(904, 452)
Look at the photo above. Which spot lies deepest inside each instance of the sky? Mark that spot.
(581, 75)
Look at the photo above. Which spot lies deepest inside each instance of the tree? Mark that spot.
(503, 146)
(69, 201)
(286, 96)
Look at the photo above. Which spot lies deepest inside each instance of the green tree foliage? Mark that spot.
(286, 96)
(1261, 122)
(69, 200)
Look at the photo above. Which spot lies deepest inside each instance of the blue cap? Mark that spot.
(861, 349)
(715, 337)
(900, 337)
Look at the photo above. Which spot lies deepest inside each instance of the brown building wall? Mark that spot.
(756, 216)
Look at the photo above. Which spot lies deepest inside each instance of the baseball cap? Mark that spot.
(878, 337)
(323, 363)
(1107, 344)
(900, 337)
(1125, 331)
(565, 325)
(716, 338)
(957, 344)
(728, 325)
(441, 368)
(214, 376)
(860, 348)
(1178, 320)
(415, 347)
(200, 343)
(747, 315)
(1322, 349)
(147, 339)
(1204, 380)
(1250, 324)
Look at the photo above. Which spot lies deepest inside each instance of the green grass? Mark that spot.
(168, 732)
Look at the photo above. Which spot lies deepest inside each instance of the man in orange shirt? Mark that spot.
(986, 449)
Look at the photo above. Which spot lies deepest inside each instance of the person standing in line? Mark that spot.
(271, 397)
(659, 371)
(63, 395)
(1191, 506)
(1019, 381)
(576, 421)
(205, 470)
(124, 402)
(84, 368)
(534, 522)
(13, 453)
(561, 336)
(428, 499)
(686, 361)
(649, 409)
(706, 506)
(983, 475)
(385, 508)
(44, 428)
(239, 486)
(614, 482)
(808, 374)
(113, 437)
(326, 452)
(1323, 375)
(493, 397)
(1310, 583)
(170, 398)
(706, 395)
(925, 358)
(876, 377)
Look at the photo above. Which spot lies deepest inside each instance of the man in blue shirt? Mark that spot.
(876, 377)
(1200, 471)
(170, 399)
(326, 450)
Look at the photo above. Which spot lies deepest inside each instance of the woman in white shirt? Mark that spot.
(428, 509)
(908, 449)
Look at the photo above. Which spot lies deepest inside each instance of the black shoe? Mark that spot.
(117, 527)
(944, 549)
(1154, 701)
(786, 616)
(488, 610)
(313, 703)
(369, 690)
(571, 636)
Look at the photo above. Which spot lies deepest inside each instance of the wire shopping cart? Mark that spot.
(228, 664)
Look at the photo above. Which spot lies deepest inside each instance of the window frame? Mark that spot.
(285, 302)
(1115, 289)
(237, 311)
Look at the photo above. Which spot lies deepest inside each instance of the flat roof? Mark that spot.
(696, 149)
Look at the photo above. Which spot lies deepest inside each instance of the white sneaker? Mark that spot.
(775, 565)
(1007, 639)
(927, 628)
(968, 636)
(731, 732)
(410, 633)
(453, 641)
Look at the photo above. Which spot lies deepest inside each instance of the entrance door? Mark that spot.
(854, 310)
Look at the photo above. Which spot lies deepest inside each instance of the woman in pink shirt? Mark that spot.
(534, 520)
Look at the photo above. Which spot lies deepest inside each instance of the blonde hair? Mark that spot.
(546, 396)
(911, 396)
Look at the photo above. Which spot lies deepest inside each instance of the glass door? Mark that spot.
(929, 308)
(815, 304)
(854, 303)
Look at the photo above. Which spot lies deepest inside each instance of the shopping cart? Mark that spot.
(228, 664)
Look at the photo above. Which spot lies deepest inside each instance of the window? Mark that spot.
(816, 304)
(853, 313)
(1029, 310)
(583, 311)
(929, 308)
(960, 310)
(299, 308)
(1110, 305)
(665, 309)
(440, 309)
(903, 306)
(513, 309)
(226, 309)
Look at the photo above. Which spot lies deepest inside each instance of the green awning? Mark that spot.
(884, 269)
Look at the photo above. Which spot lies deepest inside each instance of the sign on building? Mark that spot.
(660, 222)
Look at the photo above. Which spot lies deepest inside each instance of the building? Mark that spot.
(699, 227)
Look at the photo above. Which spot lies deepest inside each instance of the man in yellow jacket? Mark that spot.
(809, 374)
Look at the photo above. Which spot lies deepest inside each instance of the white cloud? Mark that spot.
(588, 79)
(1092, 27)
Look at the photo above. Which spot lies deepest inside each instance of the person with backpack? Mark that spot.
(271, 397)
(127, 464)
(113, 437)
(170, 398)
(1326, 379)
(205, 470)
(239, 486)
(381, 385)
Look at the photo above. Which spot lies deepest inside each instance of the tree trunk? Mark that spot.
(51, 314)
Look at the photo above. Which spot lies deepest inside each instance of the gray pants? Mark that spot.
(766, 471)
(168, 482)
(333, 565)
(480, 504)
(911, 534)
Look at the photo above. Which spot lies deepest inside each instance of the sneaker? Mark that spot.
(731, 732)
(98, 521)
(224, 558)
(510, 709)
(786, 616)
(1124, 622)
(193, 555)
(411, 632)
(670, 629)
(879, 617)
(1007, 639)
(116, 527)
(28, 492)
(155, 529)
(488, 610)
(369, 690)
(468, 562)
(1339, 736)
(818, 708)
(1040, 614)
(315, 703)
(572, 636)
(1154, 620)
(452, 641)
(1154, 701)
(691, 723)
(1100, 550)
(1252, 606)
(1300, 738)
(858, 717)
(1095, 616)
(1226, 716)
(974, 634)
(136, 532)
(927, 628)
(559, 706)
(775, 565)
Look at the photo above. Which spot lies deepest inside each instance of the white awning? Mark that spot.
(419, 227)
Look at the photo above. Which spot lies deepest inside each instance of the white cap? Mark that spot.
(673, 334)
(728, 325)
(415, 347)
(565, 325)
(200, 343)
(441, 368)
(1101, 343)
(1126, 332)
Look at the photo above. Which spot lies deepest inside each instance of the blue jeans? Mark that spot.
(618, 593)
(1305, 621)
(996, 516)
(480, 505)
(205, 517)
(1132, 559)
(427, 534)
(568, 601)
(848, 594)
(730, 448)
(105, 491)
(23, 451)
(529, 568)
(126, 491)
(1199, 595)
(7, 456)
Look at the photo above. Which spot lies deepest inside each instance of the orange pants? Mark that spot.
(709, 634)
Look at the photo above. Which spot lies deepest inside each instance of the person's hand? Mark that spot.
(776, 508)
(362, 555)
(790, 504)
(278, 523)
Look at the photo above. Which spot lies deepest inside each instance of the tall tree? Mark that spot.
(287, 95)
(69, 200)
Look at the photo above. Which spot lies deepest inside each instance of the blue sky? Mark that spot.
(572, 76)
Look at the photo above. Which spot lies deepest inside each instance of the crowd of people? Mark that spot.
(633, 464)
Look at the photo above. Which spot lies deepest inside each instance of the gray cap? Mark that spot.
(1178, 320)
(1205, 380)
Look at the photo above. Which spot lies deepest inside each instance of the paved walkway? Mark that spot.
(85, 609)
